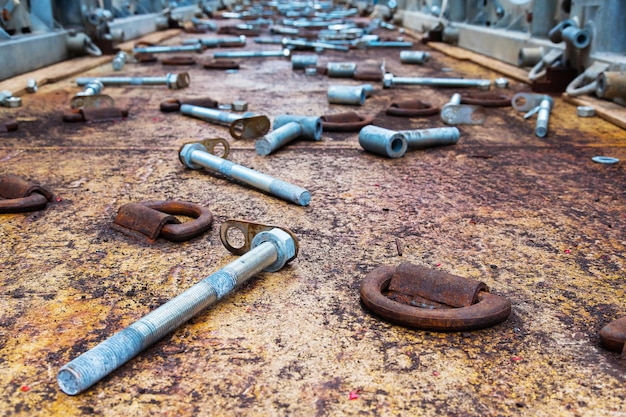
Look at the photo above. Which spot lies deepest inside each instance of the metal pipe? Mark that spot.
(383, 141)
(288, 127)
(343, 94)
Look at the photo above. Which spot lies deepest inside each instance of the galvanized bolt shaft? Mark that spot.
(196, 47)
(212, 115)
(253, 54)
(414, 57)
(543, 116)
(195, 156)
(286, 129)
(426, 138)
(91, 89)
(120, 60)
(172, 81)
(271, 250)
(315, 45)
(384, 44)
(390, 81)
(215, 42)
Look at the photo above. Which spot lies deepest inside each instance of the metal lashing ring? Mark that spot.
(411, 108)
(147, 220)
(18, 195)
(344, 122)
(613, 336)
(178, 60)
(488, 309)
(486, 99)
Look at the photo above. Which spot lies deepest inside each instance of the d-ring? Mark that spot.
(148, 220)
(411, 108)
(488, 311)
(345, 122)
(18, 195)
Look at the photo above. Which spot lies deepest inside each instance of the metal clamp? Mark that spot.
(249, 230)
(427, 299)
(147, 220)
(18, 195)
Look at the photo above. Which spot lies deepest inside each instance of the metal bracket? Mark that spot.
(250, 230)
(250, 127)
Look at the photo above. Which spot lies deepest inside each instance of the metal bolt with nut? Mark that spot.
(455, 113)
(195, 155)
(284, 53)
(535, 103)
(288, 127)
(91, 97)
(195, 47)
(172, 81)
(242, 126)
(389, 80)
(269, 250)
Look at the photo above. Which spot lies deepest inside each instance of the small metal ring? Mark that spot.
(187, 230)
(412, 108)
(488, 311)
(605, 160)
(33, 202)
(345, 122)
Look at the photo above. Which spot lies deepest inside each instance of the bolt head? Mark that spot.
(284, 243)
(184, 154)
(388, 80)
(178, 81)
(13, 102)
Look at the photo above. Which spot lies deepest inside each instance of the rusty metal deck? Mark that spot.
(535, 219)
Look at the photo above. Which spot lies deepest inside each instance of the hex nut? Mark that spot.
(12, 102)
(284, 243)
(585, 111)
(178, 81)
(240, 105)
(31, 85)
(184, 154)
(388, 80)
(501, 82)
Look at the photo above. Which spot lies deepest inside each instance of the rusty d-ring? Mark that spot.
(147, 220)
(486, 99)
(411, 108)
(487, 311)
(613, 336)
(344, 122)
(18, 195)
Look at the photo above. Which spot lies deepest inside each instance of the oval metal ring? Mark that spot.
(488, 311)
(345, 122)
(486, 99)
(411, 108)
(33, 202)
(187, 230)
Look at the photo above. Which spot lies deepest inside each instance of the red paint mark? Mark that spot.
(439, 264)
(156, 119)
(354, 395)
(567, 251)
(376, 185)
(435, 373)
(516, 358)
(59, 199)
(25, 388)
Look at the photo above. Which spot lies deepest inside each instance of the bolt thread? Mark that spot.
(95, 364)
(543, 118)
(209, 115)
(278, 138)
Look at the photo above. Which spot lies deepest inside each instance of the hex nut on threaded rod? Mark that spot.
(195, 155)
(270, 251)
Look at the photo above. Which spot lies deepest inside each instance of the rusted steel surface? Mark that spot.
(419, 297)
(411, 108)
(486, 99)
(95, 114)
(613, 336)
(345, 122)
(534, 218)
